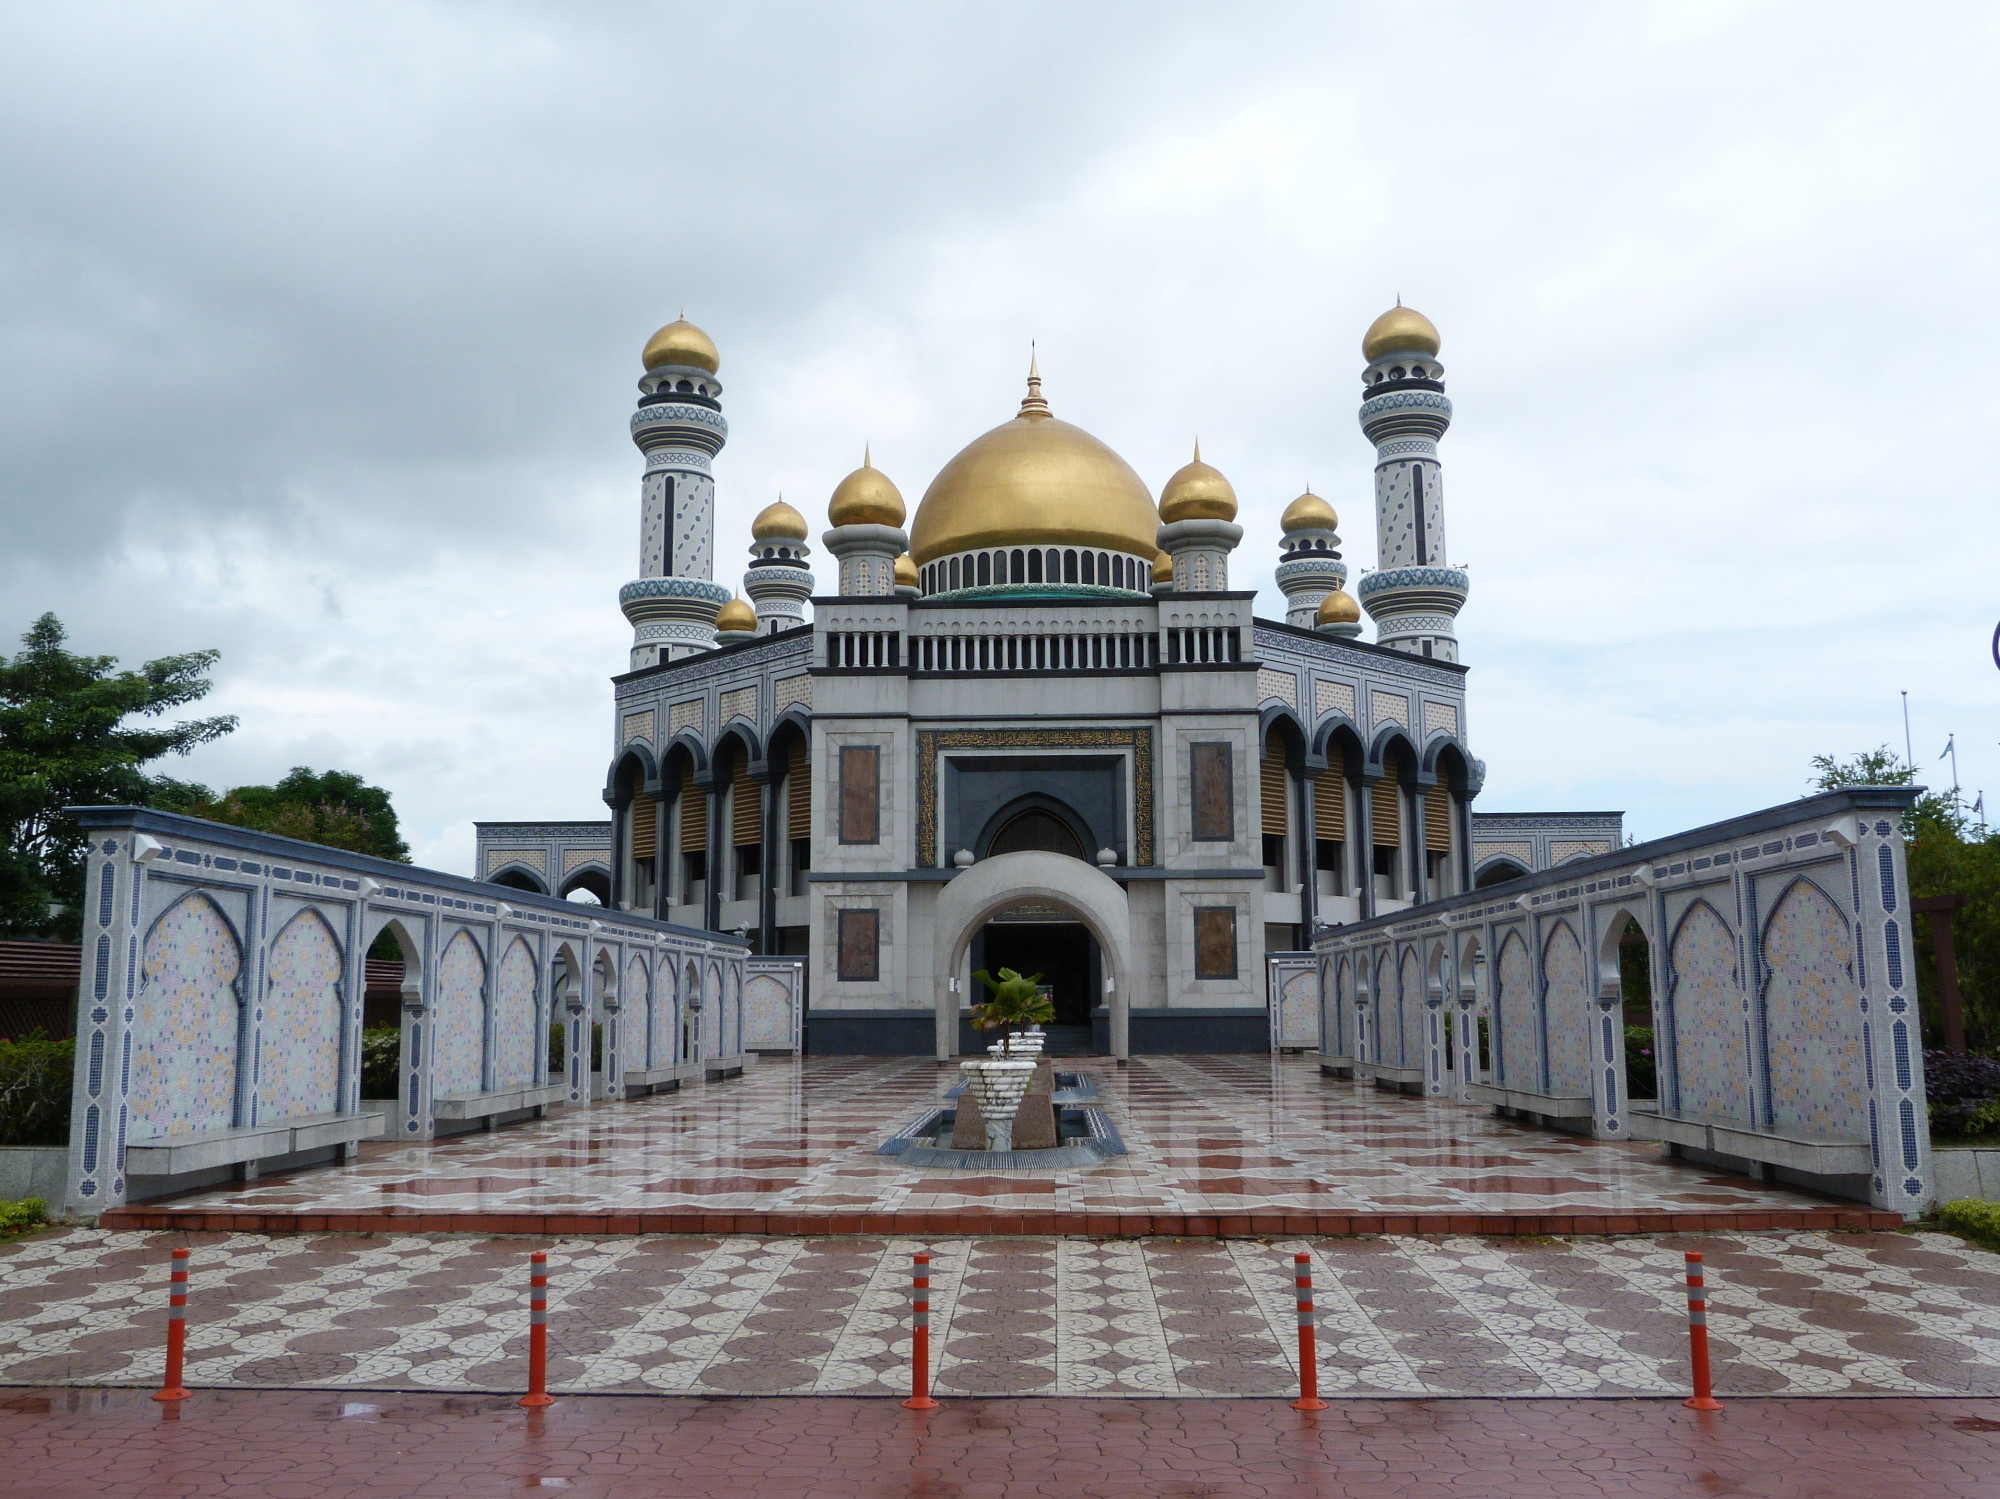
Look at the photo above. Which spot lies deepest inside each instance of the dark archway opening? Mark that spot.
(1498, 873)
(1066, 956)
(515, 879)
(1035, 831)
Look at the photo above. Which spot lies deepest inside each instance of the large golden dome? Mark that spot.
(778, 521)
(1034, 480)
(1308, 513)
(866, 498)
(1197, 492)
(680, 342)
(1398, 329)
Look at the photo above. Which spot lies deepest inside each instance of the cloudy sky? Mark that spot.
(319, 328)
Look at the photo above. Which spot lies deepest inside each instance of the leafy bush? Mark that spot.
(19, 1217)
(381, 1061)
(559, 1047)
(1978, 1221)
(1963, 1092)
(37, 1076)
(1642, 1074)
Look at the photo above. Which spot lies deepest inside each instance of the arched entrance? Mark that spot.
(1061, 916)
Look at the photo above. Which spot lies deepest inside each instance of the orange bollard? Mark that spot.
(1302, 1277)
(177, 1300)
(538, 1333)
(1704, 1394)
(920, 1335)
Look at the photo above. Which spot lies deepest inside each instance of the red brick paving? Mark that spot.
(311, 1445)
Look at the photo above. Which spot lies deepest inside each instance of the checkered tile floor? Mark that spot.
(1792, 1313)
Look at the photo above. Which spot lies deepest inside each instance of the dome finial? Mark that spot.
(1197, 450)
(867, 455)
(1032, 403)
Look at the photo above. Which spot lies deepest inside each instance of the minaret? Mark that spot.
(778, 581)
(866, 517)
(1415, 593)
(1198, 527)
(1309, 565)
(679, 427)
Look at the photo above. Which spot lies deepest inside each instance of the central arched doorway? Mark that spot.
(1037, 938)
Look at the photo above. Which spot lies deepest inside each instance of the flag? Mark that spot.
(1979, 806)
(1947, 745)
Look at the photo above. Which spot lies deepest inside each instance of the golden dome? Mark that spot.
(906, 572)
(736, 615)
(1308, 513)
(1197, 492)
(680, 342)
(1039, 480)
(1338, 608)
(1163, 569)
(866, 498)
(1398, 329)
(778, 522)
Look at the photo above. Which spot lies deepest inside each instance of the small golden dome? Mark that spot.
(906, 572)
(1308, 513)
(680, 342)
(866, 498)
(1338, 608)
(778, 522)
(1034, 479)
(1163, 569)
(736, 616)
(1197, 492)
(1397, 329)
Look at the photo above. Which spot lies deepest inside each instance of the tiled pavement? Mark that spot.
(1794, 1313)
(1227, 1145)
(271, 1444)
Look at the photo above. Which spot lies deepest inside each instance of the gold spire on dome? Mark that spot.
(736, 617)
(1308, 513)
(1197, 492)
(906, 572)
(1338, 608)
(778, 522)
(1034, 480)
(680, 342)
(1400, 328)
(1163, 568)
(866, 497)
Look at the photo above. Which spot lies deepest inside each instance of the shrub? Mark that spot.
(559, 1047)
(19, 1217)
(1978, 1221)
(381, 1061)
(1962, 1091)
(37, 1076)
(1642, 1076)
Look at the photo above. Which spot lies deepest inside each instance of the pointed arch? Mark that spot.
(1818, 1082)
(459, 1032)
(1565, 1012)
(516, 1016)
(637, 988)
(298, 1051)
(187, 1023)
(1711, 1045)
(1516, 1032)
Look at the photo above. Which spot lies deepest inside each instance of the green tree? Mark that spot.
(328, 807)
(1949, 853)
(72, 733)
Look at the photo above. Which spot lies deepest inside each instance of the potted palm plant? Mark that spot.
(999, 1081)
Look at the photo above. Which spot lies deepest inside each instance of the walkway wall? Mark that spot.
(220, 1001)
(1783, 995)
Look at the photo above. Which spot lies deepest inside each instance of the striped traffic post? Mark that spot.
(1302, 1279)
(177, 1300)
(1704, 1393)
(538, 1333)
(920, 1335)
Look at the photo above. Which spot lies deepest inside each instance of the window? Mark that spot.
(1069, 566)
(1215, 942)
(954, 572)
(1090, 567)
(985, 569)
(1211, 797)
(1423, 542)
(860, 946)
(1019, 569)
(802, 860)
(1034, 566)
(860, 772)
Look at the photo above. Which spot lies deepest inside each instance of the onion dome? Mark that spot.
(1308, 513)
(866, 498)
(680, 342)
(1163, 568)
(778, 522)
(1400, 328)
(1035, 480)
(906, 572)
(1197, 492)
(1338, 608)
(736, 617)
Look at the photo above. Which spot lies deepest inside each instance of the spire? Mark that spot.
(1197, 450)
(867, 455)
(1032, 404)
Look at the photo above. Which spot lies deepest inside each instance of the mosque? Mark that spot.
(1033, 725)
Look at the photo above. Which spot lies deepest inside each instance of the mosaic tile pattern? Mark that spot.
(460, 1027)
(299, 1042)
(1819, 1085)
(1519, 1063)
(636, 995)
(1206, 1135)
(1567, 1010)
(1799, 1313)
(514, 1018)
(1714, 1070)
(187, 1017)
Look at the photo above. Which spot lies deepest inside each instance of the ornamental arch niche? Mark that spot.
(299, 1042)
(1711, 1050)
(187, 1024)
(1812, 1017)
(459, 1047)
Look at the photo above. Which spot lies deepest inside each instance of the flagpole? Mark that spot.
(1909, 754)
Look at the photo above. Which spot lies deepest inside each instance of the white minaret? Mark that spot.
(673, 602)
(866, 534)
(1309, 565)
(778, 582)
(1415, 593)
